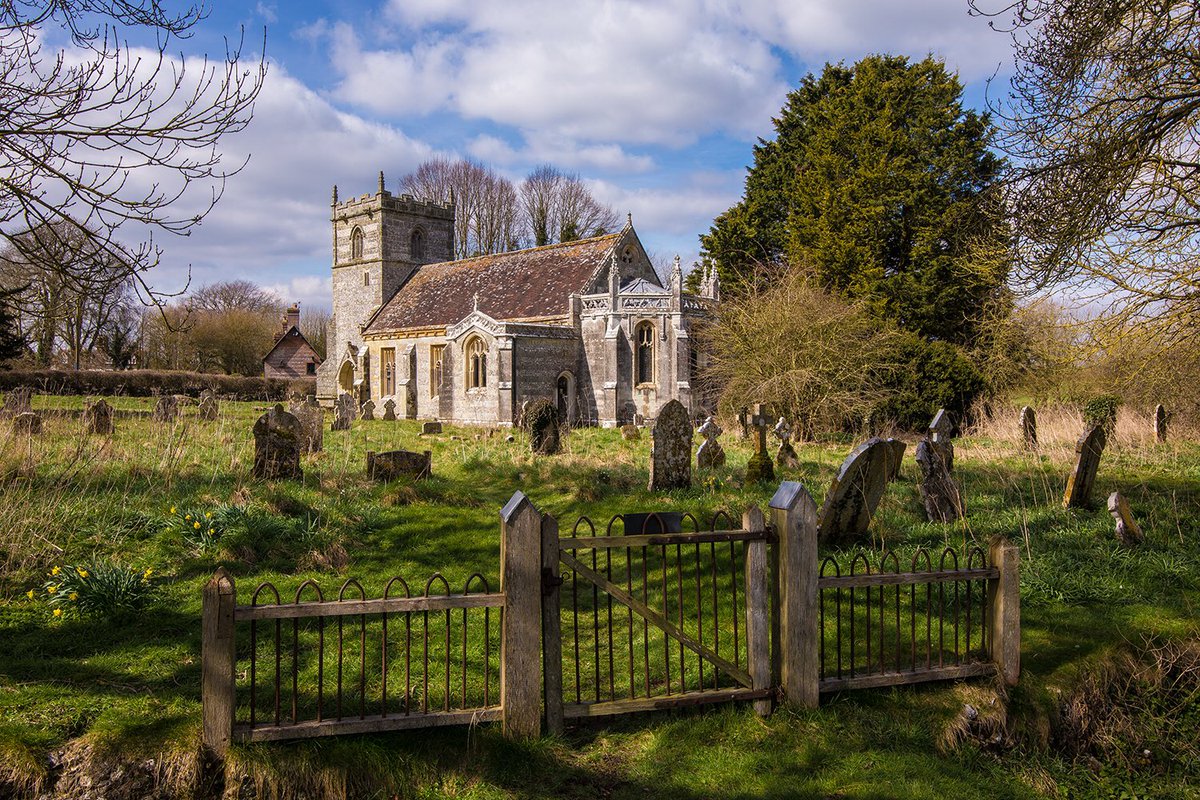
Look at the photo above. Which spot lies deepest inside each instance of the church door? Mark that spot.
(346, 377)
(563, 394)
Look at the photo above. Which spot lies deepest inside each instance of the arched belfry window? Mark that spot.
(356, 244)
(416, 245)
(476, 361)
(644, 355)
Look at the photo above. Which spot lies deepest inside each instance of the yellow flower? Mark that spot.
(55, 571)
(83, 573)
(188, 517)
(172, 509)
(208, 515)
(147, 573)
(196, 525)
(58, 612)
(73, 596)
(29, 594)
(52, 588)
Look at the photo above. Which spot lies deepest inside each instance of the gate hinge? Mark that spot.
(550, 581)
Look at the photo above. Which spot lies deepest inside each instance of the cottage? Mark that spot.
(291, 356)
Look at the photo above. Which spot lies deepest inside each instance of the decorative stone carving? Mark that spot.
(671, 450)
(398, 464)
(785, 456)
(1088, 450)
(857, 489)
(939, 491)
(166, 409)
(98, 418)
(389, 410)
(1029, 428)
(760, 467)
(710, 454)
(27, 423)
(277, 443)
(1129, 533)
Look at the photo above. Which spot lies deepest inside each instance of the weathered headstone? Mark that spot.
(166, 409)
(710, 454)
(1029, 428)
(1161, 418)
(18, 401)
(389, 410)
(208, 408)
(278, 439)
(399, 463)
(312, 423)
(343, 412)
(1128, 531)
(1088, 450)
(671, 449)
(785, 456)
(855, 492)
(368, 410)
(631, 432)
(743, 419)
(98, 418)
(939, 491)
(941, 429)
(431, 428)
(542, 418)
(27, 423)
(760, 467)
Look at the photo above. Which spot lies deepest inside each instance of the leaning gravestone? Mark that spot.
(710, 454)
(1088, 450)
(343, 412)
(18, 401)
(208, 408)
(785, 456)
(312, 424)
(98, 418)
(541, 416)
(857, 489)
(1129, 533)
(368, 410)
(431, 428)
(1161, 417)
(1029, 428)
(399, 463)
(939, 491)
(389, 410)
(27, 423)
(671, 449)
(941, 429)
(166, 409)
(278, 438)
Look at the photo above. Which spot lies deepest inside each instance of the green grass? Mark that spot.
(131, 684)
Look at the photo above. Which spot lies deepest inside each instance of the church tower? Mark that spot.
(379, 240)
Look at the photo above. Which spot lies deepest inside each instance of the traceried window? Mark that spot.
(644, 355)
(356, 244)
(435, 368)
(476, 351)
(416, 245)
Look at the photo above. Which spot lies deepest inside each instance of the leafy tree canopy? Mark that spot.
(881, 184)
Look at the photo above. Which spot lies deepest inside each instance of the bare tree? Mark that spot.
(558, 207)
(314, 324)
(239, 295)
(107, 135)
(485, 203)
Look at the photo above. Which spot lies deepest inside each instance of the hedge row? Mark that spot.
(148, 382)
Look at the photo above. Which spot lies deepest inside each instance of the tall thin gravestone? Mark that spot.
(759, 468)
(1161, 418)
(939, 491)
(785, 456)
(1029, 428)
(710, 454)
(1088, 450)
(671, 449)
(941, 429)
(277, 443)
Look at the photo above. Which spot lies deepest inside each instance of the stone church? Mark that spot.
(587, 324)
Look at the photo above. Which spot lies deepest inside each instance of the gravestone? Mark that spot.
(941, 429)
(710, 454)
(18, 401)
(312, 424)
(1088, 450)
(98, 418)
(208, 408)
(743, 419)
(398, 464)
(343, 412)
(389, 410)
(939, 491)
(631, 432)
(856, 490)
(785, 456)
(431, 428)
(671, 449)
(166, 409)
(759, 468)
(542, 418)
(278, 438)
(1029, 428)
(368, 410)
(27, 423)
(1129, 533)
(1161, 418)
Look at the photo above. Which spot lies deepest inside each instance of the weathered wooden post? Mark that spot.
(217, 661)
(795, 666)
(1004, 607)
(758, 638)
(521, 635)
(551, 627)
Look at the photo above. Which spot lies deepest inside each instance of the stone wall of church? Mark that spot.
(537, 365)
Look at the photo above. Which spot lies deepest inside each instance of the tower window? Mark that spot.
(366, 278)
(416, 245)
(356, 244)
(644, 355)
(476, 351)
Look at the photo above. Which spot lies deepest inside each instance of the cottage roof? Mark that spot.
(283, 337)
(522, 284)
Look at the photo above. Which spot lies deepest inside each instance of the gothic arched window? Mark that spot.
(416, 245)
(476, 351)
(356, 244)
(644, 355)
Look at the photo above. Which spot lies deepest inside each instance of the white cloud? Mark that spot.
(308, 290)
(560, 151)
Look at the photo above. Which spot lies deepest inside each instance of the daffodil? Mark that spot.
(73, 596)
(208, 515)
(58, 612)
(52, 588)
(172, 509)
(29, 594)
(188, 517)
(83, 573)
(55, 571)
(196, 525)
(147, 573)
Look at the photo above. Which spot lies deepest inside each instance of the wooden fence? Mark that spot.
(587, 625)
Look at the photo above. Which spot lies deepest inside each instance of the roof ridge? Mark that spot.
(539, 248)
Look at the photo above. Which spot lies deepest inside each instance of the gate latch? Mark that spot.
(550, 582)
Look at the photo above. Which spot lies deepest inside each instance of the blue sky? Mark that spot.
(655, 105)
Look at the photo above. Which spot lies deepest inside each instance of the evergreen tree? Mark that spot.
(881, 184)
(12, 341)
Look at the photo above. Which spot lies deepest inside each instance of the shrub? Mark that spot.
(1102, 411)
(932, 375)
(99, 587)
(200, 531)
(146, 382)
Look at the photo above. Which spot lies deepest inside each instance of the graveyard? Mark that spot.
(167, 491)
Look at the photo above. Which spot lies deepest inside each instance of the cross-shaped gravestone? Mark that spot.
(368, 410)
(389, 410)
(710, 454)
(786, 455)
(942, 427)
(759, 467)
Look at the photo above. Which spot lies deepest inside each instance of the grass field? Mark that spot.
(1108, 705)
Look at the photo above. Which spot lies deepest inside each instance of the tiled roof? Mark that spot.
(522, 284)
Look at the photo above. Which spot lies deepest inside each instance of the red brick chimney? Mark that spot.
(292, 318)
